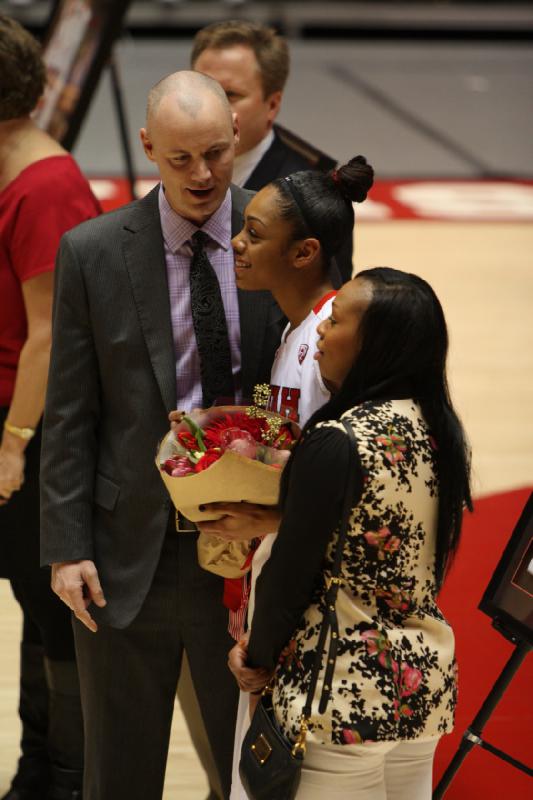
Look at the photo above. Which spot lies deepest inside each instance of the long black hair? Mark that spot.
(404, 341)
(319, 204)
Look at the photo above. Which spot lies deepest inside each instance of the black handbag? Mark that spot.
(270, 766)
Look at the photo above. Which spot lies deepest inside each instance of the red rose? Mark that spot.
(252, 425)
(351, 737)
(182, 468)
(177, 467)
(169, 465)
(187, 440)
(411, 680)
(207, 459)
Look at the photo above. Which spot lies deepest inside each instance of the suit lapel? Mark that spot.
(269, 167)
(253, 312)
(145, 261)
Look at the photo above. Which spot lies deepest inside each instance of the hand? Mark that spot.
(248, 679)
(241, 521)
(176, 419)
(78, 585)
(11, 473)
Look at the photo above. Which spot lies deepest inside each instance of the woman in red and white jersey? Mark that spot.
(292, 230)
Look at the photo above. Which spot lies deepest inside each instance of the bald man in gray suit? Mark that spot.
(121, 361)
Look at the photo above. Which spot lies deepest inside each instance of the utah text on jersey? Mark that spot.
(284, 401)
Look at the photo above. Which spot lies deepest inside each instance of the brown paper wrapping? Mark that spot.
(231, 479)
(222, 557)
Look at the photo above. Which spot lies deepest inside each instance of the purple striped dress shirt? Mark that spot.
(177, 233)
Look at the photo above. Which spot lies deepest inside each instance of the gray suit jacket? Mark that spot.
(111, 386)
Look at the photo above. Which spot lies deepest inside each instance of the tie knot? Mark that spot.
(199, 241)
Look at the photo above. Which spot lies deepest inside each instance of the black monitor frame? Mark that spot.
(509, 587)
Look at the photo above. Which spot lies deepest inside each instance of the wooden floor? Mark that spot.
(483, 274)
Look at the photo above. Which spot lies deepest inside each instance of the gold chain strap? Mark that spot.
(300, 745)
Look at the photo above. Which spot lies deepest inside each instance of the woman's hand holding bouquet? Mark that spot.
(241, 521)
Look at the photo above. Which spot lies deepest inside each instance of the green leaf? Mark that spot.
(196, 432)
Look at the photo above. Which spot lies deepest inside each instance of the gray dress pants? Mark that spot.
(128, 679)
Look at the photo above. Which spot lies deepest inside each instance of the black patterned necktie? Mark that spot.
(210, 326)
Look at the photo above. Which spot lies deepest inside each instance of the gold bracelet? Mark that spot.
(22, 433)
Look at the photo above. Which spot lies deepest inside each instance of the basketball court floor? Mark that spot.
(444, 125)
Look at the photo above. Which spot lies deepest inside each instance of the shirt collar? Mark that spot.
(177, 230)
(245, 164)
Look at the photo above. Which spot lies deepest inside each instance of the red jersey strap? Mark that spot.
(324, 300)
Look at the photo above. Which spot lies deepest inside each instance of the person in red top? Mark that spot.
(42, 195)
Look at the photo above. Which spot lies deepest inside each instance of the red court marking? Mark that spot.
(482, 653)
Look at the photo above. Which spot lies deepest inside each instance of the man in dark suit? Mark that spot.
(251, 63)
(124, 355)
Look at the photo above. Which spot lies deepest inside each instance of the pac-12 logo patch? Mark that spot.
(302, 352)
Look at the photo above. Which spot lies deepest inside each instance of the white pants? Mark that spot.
(381, 771)
(261, 556)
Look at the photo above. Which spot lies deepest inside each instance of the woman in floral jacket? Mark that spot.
(382, 353)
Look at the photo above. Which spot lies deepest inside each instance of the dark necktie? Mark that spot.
(210, 326)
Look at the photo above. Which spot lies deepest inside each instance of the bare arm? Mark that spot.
(28, 399)
(76, 583)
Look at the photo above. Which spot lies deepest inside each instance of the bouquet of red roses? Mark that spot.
(225, 454)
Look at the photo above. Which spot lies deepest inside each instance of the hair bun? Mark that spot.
(354, 179)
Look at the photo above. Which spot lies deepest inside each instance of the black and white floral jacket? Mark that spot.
(395, 675)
